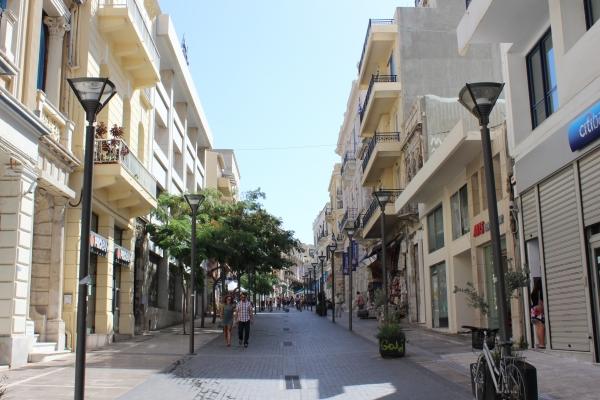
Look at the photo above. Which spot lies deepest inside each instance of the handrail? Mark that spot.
(375, 79)
(371, 23)
(379, 137)
(139, 21)
(115, 151)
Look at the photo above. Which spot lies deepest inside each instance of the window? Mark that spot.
(43, 55)
(94, 224)
(435, 229)
(460, 213)
(592, 12)
(118, 236)
(541, 75)
(475, 193)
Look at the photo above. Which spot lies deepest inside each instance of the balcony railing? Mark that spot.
(141, 25)
(375, 79)
(371, 23)
(378, 138)
(349, 216)
(115, 151)
(375, 205)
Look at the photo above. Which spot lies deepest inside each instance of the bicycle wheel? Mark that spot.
(514, 388)
(479, 377)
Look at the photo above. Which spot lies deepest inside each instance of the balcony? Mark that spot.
(224, 186)
(383, 92)
(382, 152)
(127, 28)
(128, 184)
(371, 220)
(348, 165)
(349, 217)
(379, 41)
(501, 21)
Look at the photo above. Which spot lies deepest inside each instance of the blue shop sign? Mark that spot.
(585, 129)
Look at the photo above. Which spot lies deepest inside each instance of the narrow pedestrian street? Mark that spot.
(329, 362)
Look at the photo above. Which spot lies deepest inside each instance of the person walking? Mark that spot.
(537, 313)
(244, 316)
(339, 304)
(227, 310)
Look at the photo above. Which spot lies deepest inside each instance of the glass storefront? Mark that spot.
(439, 296)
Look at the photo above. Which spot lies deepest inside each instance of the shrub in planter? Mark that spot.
(392, 341)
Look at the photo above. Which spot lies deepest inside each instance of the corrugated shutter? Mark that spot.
(566, 302)
(589, 174)
(529, 212)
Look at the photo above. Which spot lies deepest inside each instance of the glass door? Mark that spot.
(439, 296)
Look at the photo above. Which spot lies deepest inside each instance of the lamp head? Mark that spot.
(383, 197)
(93, 94)
(194, 200)
(480, 98)
(322, 258)
(314, 264)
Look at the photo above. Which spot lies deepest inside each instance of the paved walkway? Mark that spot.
(560, 375)
(329, 361)
(111, 370)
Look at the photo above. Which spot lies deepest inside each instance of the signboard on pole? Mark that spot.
(354, 255)
(345, 263)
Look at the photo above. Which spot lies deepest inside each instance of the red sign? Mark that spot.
(479, 229)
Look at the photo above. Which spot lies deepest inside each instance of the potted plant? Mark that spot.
(392, 341)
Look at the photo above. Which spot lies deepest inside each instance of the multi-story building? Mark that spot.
(36, 159)
(223, 173)
(552, 85)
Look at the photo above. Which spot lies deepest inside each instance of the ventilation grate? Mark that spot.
(292, 382)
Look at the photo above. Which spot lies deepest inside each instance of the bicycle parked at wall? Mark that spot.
(508, 380)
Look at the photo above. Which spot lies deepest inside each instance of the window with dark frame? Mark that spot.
(459, 205)
(435, 229)
(541, 77)
(592, 12)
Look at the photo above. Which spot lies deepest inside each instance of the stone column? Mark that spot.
(57, 26)
(16, 234)
(55, 326)
(126, 317)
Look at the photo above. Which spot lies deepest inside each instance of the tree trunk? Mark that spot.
(214, 301)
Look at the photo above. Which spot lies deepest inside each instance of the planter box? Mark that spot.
(392, 347)
(530, 375)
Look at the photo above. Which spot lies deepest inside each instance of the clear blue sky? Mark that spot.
(275, 74)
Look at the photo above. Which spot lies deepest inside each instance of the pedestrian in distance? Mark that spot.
(244, 316)
(360, 301)
(227, 311)
(339, 304)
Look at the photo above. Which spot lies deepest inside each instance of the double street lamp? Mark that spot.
(383, 197)
(194, 200)
(479, 99)
(93, 94)
(332, 248)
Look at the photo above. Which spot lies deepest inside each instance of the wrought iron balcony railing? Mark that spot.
(115, 151)
(348, 159)
(375, 79)
(349, 216)
(371, 23)
(374, 206)
(383, 137)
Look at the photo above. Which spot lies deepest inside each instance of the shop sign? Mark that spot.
(345, 263)
(98, 244)
(585, 129)
(482, 227)
(122, 255)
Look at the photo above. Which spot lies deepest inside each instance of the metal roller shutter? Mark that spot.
(566, 302)
(529, 212)
(589, 175)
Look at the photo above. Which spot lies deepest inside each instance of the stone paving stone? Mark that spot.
(331, 362)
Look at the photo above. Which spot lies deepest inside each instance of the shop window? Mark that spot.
(459, 206)
(592, 12)
(435, 229)
(475, 193)
(541, 75)
(94, 224)
(439, 296)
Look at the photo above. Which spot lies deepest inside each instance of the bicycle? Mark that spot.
(506, 376)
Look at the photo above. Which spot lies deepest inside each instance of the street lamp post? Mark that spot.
(383, 197)
(194, 201)
(93, 94)
(322, 285)
(311, 284)
(479, 99)
(314, 269)
(332, 248)
(350, 230)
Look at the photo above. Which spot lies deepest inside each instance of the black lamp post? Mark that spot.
(350, 230)
(479, 99)
(332, 248)
(383, 197)
(311, 284)
(322, 283)
(93, 94)
(315, 286)
(194, 201)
